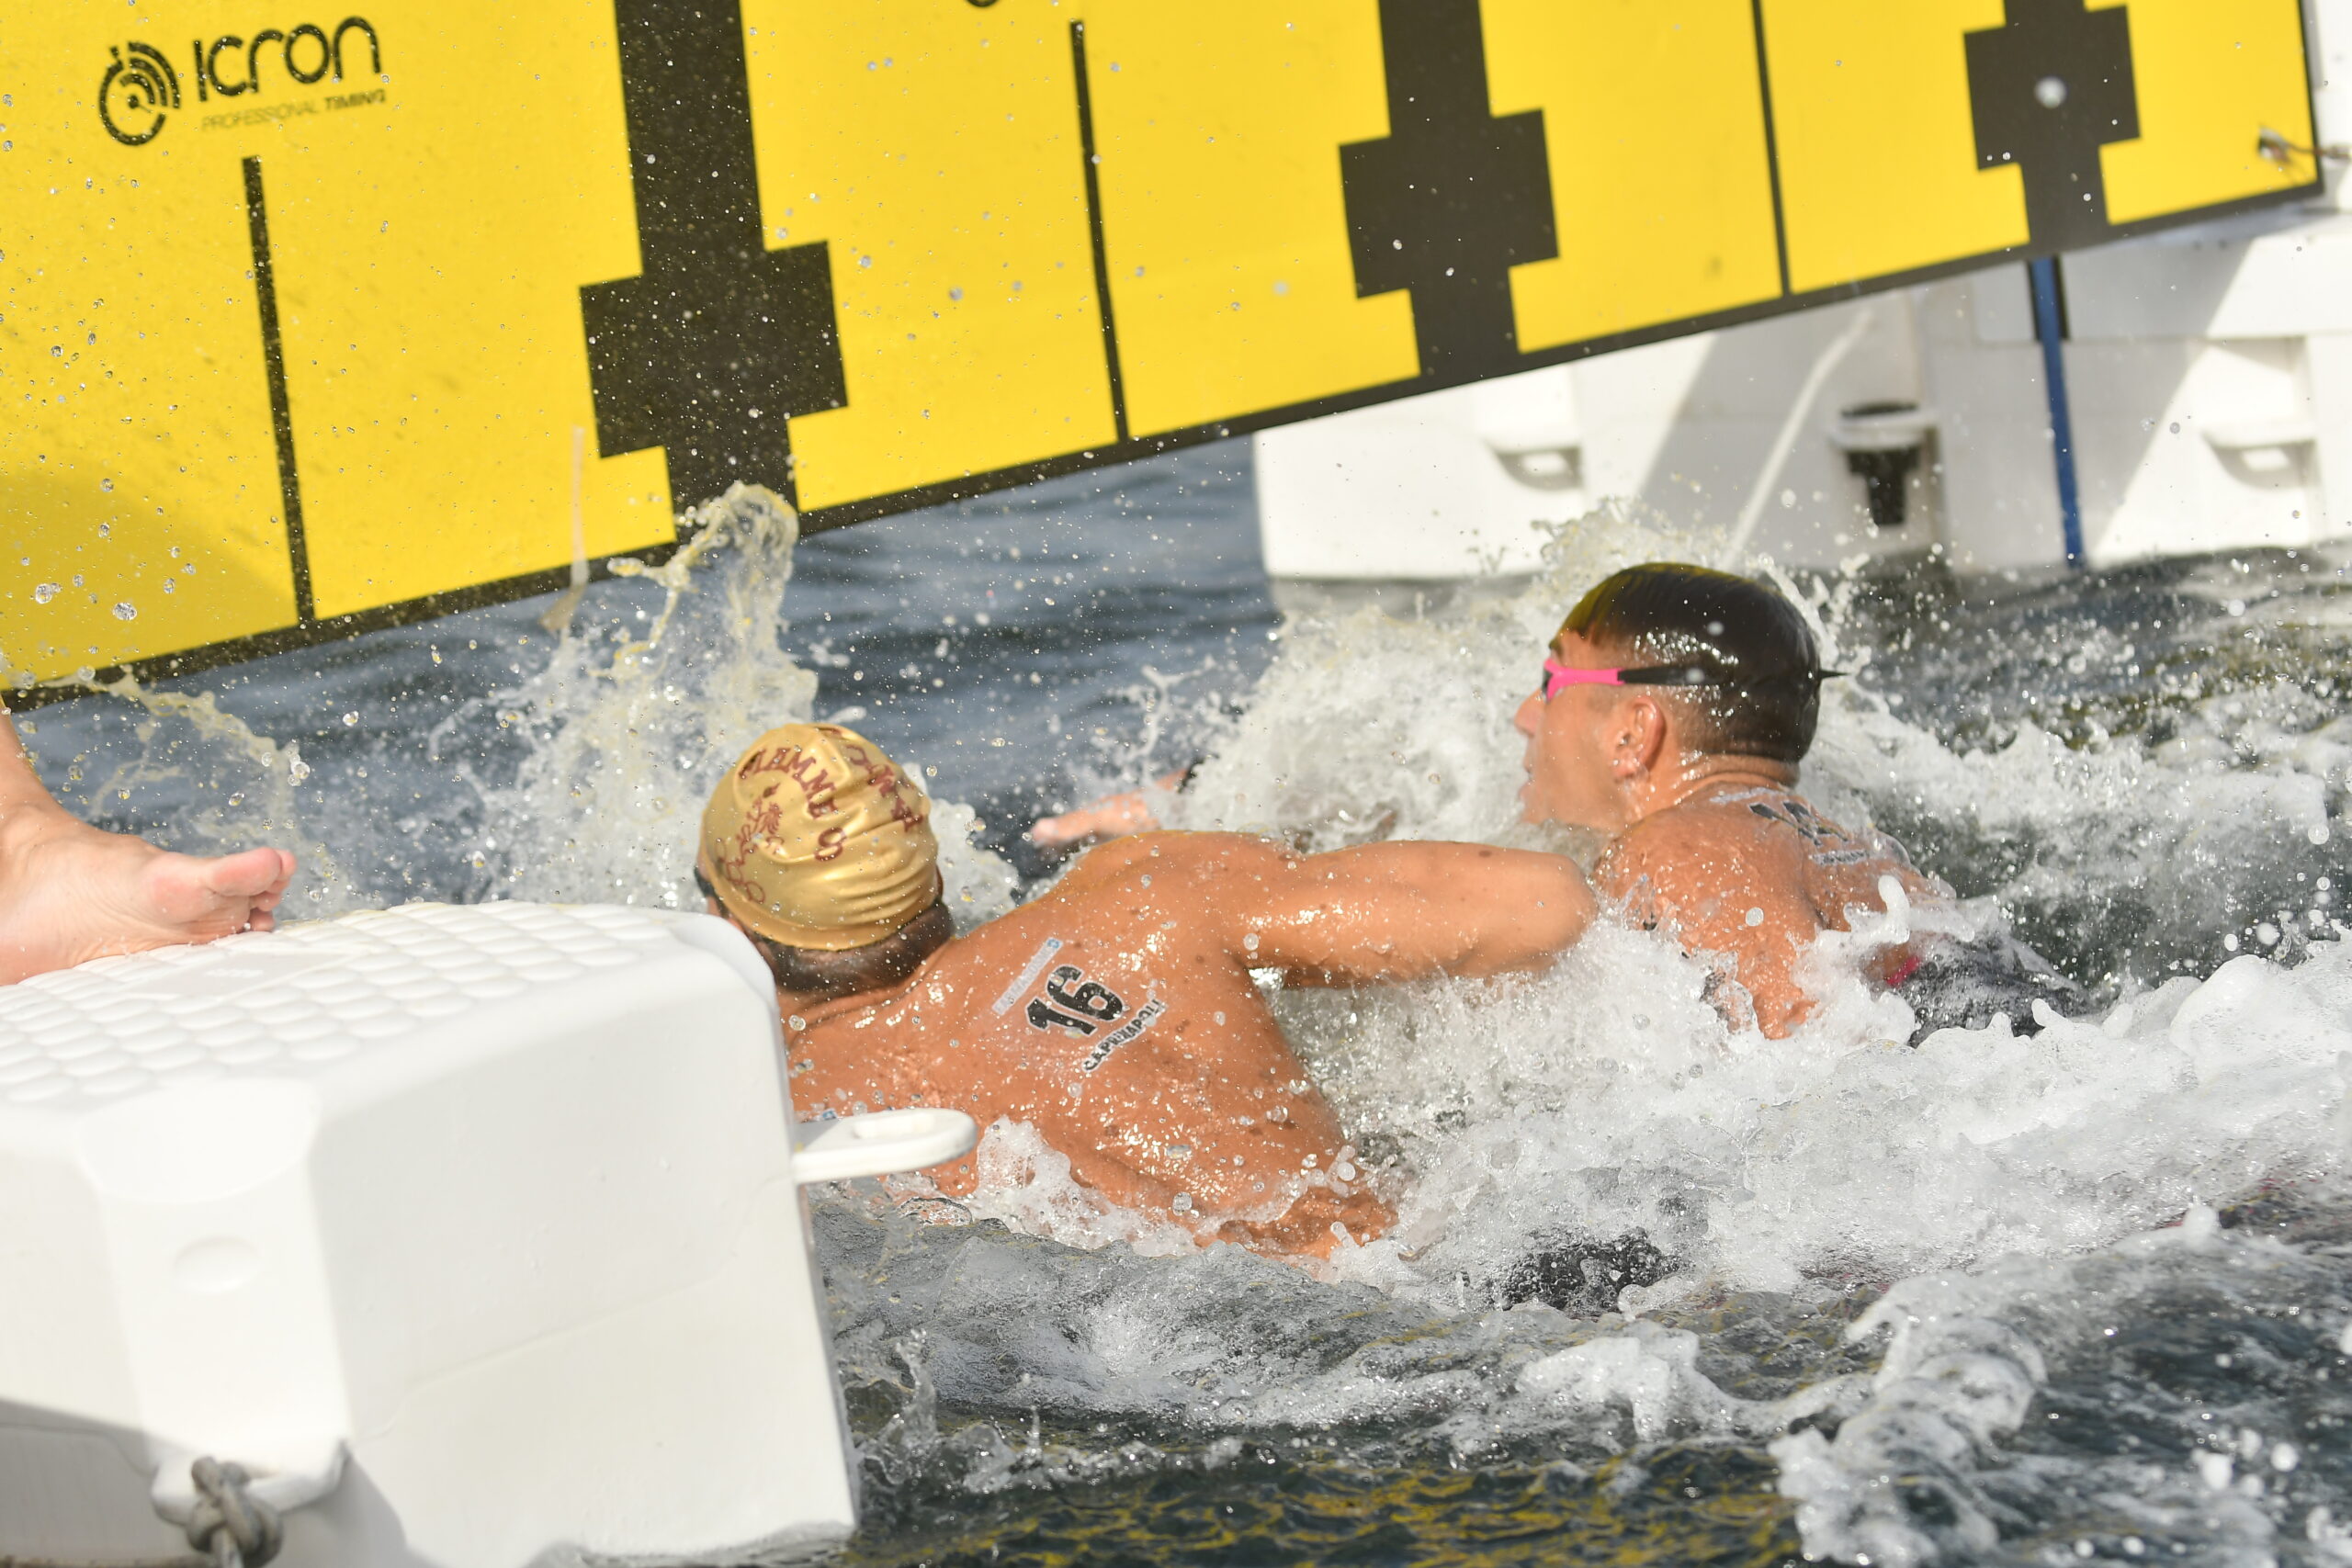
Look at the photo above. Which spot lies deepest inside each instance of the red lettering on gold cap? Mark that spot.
(816, 785)
(828, 843)
(730, 870)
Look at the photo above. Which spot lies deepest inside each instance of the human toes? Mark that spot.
(257, 874)
(198, 898)
(265, 902)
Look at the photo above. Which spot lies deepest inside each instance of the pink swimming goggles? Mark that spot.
(1556, 675)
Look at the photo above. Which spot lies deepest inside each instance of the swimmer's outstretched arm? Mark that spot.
(70, 893)
(1404, 911)
(1108, 817)
(1237, 1102)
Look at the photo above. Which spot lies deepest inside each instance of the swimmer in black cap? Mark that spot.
(1675, 705)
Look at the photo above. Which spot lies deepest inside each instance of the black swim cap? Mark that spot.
(1762, 695)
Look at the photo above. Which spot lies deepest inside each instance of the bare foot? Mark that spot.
(1113, 817)
(70, 893)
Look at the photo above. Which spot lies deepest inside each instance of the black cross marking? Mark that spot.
(1453, 198)
(719, 341)
(2049, 90)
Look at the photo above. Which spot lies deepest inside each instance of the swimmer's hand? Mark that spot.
(1113, 817)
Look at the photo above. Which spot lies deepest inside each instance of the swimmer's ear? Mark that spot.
(1642, 732)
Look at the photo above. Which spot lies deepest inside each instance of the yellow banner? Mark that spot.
(306, 315)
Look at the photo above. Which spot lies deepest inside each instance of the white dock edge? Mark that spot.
(475, 1233)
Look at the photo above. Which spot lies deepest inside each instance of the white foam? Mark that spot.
(1605, 1096)
(1609, 1094)
(1926, 1469)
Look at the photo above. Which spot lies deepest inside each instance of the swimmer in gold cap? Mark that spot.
(1115, 1014)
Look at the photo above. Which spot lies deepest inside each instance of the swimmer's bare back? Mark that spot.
(1116, 1015)
(1751, 871)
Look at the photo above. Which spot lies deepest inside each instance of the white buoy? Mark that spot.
(473, 1233)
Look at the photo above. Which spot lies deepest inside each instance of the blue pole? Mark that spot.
(2049, 328)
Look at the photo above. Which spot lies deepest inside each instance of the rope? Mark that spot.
(234, 1528)
(230, 1529)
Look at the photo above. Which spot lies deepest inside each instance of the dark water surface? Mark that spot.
(1030, 646)
(2142, 772)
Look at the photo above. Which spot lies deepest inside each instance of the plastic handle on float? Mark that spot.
(881, 1143)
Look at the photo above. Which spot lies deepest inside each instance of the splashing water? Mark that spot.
(221, 785)
(632, 735)
(1608, 1098)
(1059, 1379)
(620, 745)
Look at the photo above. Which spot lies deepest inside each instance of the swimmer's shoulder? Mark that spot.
(1160, 891)
(1691, 855)
(1782, 818)
(1821, 839)
(1835, 865)
(1699, 828)
(1174, 854)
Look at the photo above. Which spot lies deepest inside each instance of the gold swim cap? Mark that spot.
(814, 839)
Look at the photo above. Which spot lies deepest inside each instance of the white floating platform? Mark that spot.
(2208, 375)
(475, 1230)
